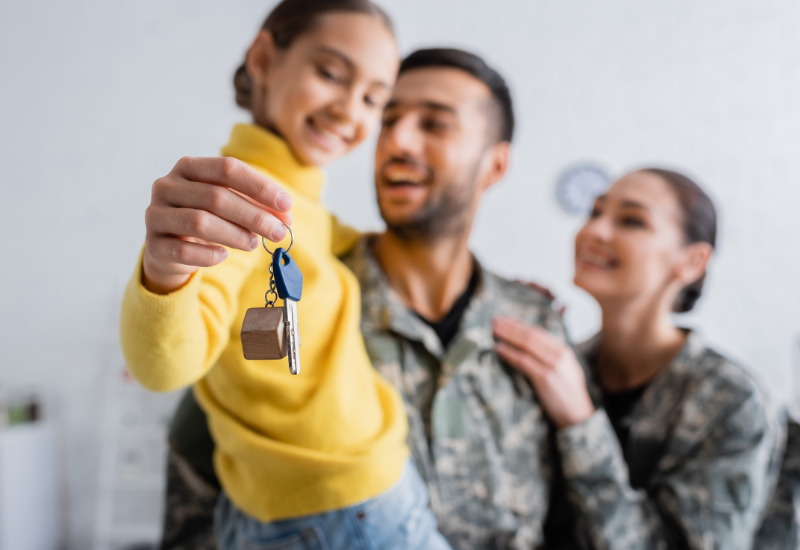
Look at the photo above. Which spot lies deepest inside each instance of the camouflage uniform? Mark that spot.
(781, 527)
(478, 436)
(189, 510)
(698, 468)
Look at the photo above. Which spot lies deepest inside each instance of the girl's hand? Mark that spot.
(204, 203)
(550, 366)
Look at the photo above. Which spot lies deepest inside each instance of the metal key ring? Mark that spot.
(264, 241)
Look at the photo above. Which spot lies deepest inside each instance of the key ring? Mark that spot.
(264, 241)
(271, 290)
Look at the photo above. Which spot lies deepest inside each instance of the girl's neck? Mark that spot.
(637, 341)
(271, 128)
(428, 277)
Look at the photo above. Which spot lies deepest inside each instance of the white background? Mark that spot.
(98, 99)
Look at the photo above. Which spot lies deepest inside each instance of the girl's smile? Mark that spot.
(332, 140)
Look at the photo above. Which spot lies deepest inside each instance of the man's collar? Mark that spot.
(384, 311)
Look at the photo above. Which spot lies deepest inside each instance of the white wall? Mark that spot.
(97, 99)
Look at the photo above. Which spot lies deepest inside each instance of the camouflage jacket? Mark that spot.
(781, 527)
(698, 468)
(478, 436)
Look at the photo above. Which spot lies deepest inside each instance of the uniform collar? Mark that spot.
(265, 150)
(692, 349)
(384, 311)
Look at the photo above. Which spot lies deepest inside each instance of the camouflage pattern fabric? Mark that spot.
(701, 461)
(781, 527)
(476, 431)
(189, 510)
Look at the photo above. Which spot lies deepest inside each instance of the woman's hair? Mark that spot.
(699, 226)
(290, 19)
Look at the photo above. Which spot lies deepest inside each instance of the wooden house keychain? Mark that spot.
(271, 332)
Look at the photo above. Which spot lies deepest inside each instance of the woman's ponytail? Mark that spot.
(699, 225)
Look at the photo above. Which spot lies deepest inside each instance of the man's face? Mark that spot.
(432, 152)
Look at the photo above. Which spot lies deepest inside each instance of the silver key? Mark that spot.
(292, 334)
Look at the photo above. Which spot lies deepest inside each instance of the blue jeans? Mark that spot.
(398, 518)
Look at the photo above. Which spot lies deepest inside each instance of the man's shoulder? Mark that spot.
(530, 304)
(505, 290)
(355, 249)
(358, 259)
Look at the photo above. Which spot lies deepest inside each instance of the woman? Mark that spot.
(668, 444)
(317, 459)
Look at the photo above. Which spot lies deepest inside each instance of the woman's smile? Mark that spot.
(594, 259)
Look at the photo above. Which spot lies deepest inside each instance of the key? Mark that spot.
(289, 284)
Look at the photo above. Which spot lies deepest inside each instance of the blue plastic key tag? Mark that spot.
(288, 278)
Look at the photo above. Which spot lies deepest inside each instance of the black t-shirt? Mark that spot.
(447, 328)
(618, 406)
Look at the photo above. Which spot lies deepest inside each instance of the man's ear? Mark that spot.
(498, 159)
(695, 262)
(260, 57)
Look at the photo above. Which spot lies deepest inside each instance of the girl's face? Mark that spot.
(633, 245)
(324, 93)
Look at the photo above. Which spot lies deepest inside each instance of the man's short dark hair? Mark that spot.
(477, 67)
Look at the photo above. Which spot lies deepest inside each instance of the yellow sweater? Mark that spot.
(286, 445)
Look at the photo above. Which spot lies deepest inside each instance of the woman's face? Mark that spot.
(633, 245)
(324, 93)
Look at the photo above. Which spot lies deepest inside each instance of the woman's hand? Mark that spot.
(204, 203)
(550, 366)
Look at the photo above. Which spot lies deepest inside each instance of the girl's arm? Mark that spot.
(172, 340)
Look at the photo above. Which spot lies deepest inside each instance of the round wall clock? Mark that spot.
(579, 185)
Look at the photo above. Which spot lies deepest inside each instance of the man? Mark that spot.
(476, 431)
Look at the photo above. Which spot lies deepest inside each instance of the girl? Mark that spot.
(311, 460)
(680, 454)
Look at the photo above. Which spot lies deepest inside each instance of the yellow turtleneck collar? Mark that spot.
(258, 146)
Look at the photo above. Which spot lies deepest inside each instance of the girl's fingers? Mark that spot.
(199, 224)
(172, 192)
(224, 203)
(233, 173)
(171, 250)
(285, 217)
